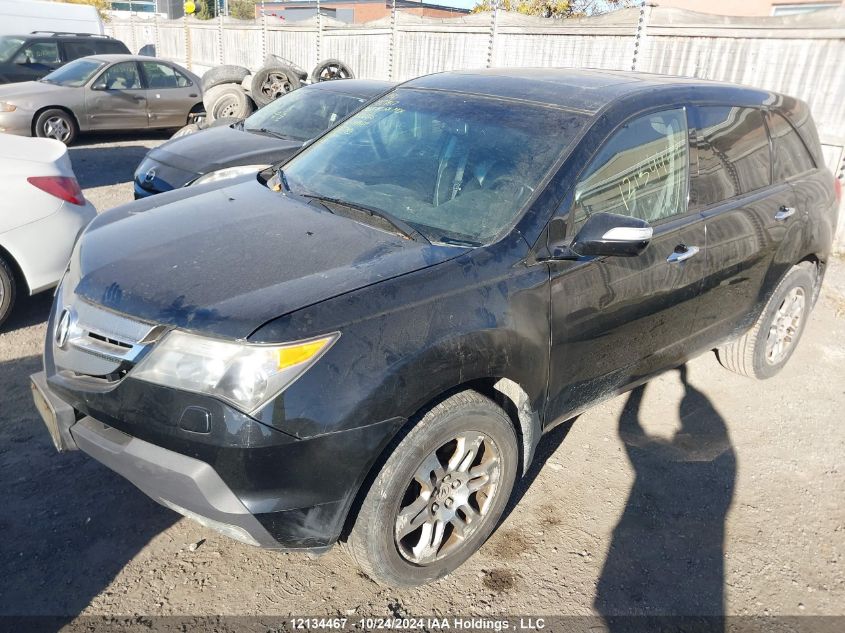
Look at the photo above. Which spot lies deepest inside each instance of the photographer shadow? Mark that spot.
(666, 557)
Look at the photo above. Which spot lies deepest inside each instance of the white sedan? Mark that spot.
(42, 213)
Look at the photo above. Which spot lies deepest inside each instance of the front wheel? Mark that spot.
(440, 493)
(57, 124)
(764, 350)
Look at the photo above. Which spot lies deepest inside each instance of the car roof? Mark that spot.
(123, 57)
(586, 90)
(354, 87)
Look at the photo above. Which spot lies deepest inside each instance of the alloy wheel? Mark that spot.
(448, 498)
(57, 128)
(785, 326)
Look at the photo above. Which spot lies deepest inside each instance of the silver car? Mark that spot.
(101, 92)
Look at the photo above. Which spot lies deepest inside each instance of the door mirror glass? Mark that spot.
(607, 234)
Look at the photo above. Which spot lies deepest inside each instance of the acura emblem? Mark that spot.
(63, 328)
(150, 175)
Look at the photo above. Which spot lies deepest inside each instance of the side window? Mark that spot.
(733, 154)
(75, 50)
(640, 172)
(39, 53)
(109, 47)
(790, 154)
(162, 76)
(122, 76)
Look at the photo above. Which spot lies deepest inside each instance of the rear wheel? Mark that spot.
(7, 290)
(440, 493)
(767, 346)
(57, 124)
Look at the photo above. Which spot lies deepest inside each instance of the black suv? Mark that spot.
(31, 57)
(368, 343)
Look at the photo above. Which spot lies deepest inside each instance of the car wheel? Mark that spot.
(56, 124)
(331, 69)
(226, 74)
(227, 101)
(439, 495)
(767, 346)
(271, 82)
(7, 290)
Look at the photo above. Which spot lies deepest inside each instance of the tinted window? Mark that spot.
(640, 172)
(304, 114)
(733, 153)
(38, 53)
(790, 154)
(454, 166)
(163, 76)
(122, 76)
(75, 50)
(109, 47)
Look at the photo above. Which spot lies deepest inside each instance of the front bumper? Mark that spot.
(18, 122)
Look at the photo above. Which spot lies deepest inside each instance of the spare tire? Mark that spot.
(271, 82)
(331, 69)
(227, 101)
(224, 75)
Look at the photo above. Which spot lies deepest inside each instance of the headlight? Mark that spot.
(7, 107)
(244, 374)
(229, 172)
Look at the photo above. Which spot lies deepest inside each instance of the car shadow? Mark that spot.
(68, 524)
(28, 311)
(666, 556)
(103, 166)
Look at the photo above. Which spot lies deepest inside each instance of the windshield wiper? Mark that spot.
(453, 241)
(266, 132)
(401, 226)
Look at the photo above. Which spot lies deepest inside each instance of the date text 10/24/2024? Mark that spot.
(420, 623)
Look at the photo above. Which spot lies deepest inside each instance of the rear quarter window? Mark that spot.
(110, 47)
(790, 155)
(733, 153)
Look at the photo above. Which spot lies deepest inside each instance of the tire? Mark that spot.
(330, 70)
(58, 124)
(227, 74)
(754, 354)
(275, 60)
(420, 456)
(271, 82)
(227, 101)
(7, 290)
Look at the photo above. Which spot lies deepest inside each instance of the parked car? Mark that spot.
(369, 344)
(101, 92)
(46, 212)
(228, 148)
(31, 57)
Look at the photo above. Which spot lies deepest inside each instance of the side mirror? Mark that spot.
(607, 234)
(99, 85)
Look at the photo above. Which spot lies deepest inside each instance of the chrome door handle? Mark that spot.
(682, 254)
(784, 212)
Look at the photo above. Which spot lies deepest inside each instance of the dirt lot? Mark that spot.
(727, 492)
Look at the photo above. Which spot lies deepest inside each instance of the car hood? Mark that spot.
(226, 260)
(28, 92)
(219, 147)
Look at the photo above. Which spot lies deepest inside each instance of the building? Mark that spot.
(354, 11)
(752, 7)
(170, 9)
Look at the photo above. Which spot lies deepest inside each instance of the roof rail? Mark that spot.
(63, 33)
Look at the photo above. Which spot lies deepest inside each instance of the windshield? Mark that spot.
(303, 114)
(75, 74)
(453, 166)
(8, 47)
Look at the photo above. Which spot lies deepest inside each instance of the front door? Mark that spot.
(615, 319)
(170, 95)
(117, 100)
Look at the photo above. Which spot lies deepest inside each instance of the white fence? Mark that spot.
(801, 55)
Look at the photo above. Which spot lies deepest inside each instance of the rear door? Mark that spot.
(117, 100)
(615, 319)
(170, 94)
(746, 215)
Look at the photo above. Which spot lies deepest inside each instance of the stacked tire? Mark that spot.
(223, 95)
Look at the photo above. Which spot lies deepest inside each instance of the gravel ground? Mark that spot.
(726, 492)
